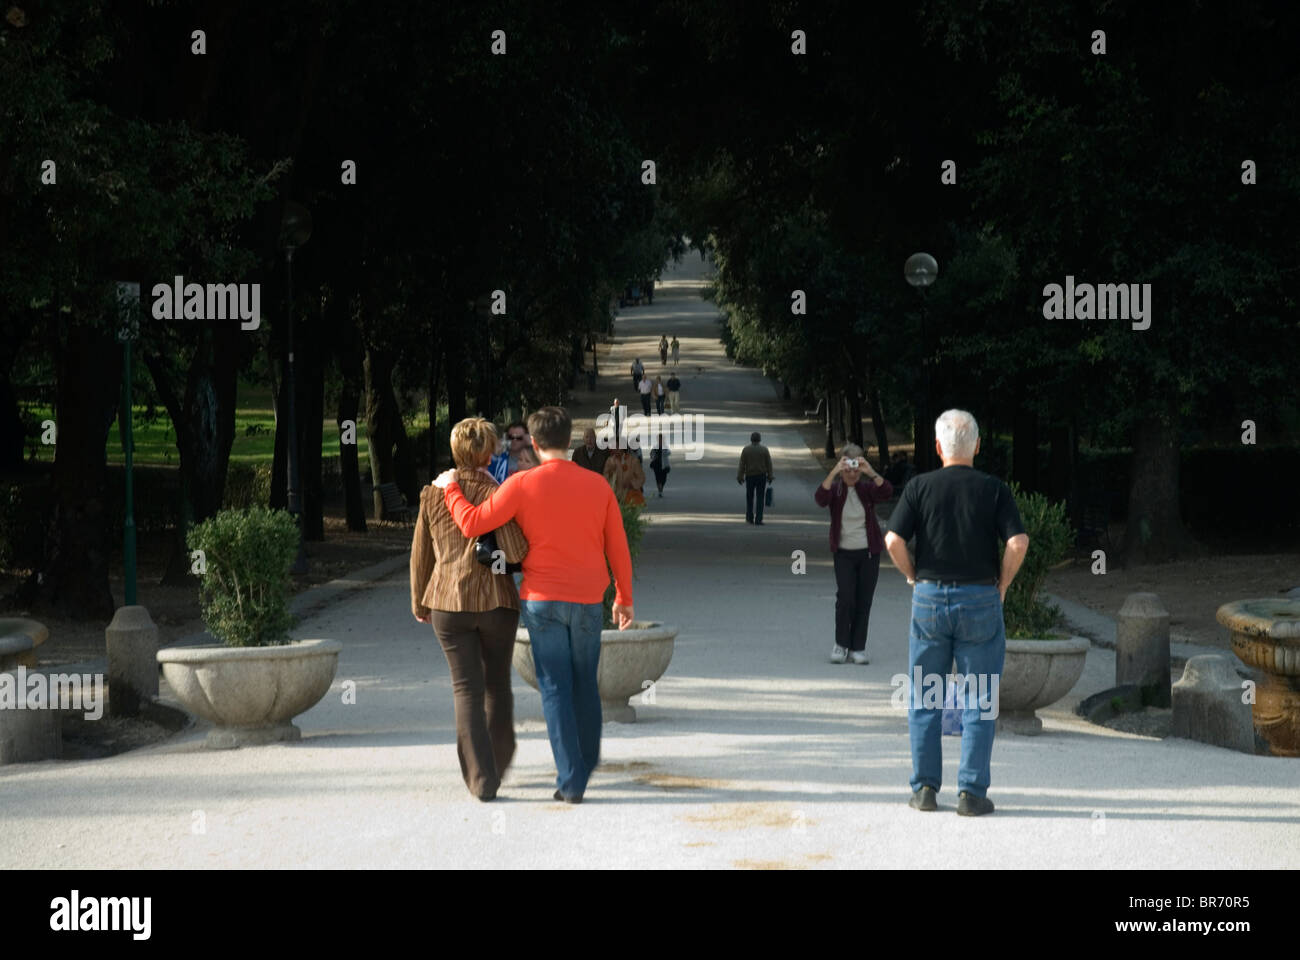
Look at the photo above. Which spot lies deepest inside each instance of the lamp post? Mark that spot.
(920, 271)
(128, 304)
(295, 230)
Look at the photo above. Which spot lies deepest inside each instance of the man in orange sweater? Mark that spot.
(573, 524)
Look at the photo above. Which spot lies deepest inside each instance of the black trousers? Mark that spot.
(645, 403)
(479, 647)
(755, 488)
(856, 573)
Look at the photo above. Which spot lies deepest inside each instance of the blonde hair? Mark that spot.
(473, 441)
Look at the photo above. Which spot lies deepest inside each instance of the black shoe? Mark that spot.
(758, 523)
(748, 520)
(924, 799)
(560, 796)
(971, 806)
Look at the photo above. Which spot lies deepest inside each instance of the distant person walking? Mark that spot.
(755, 472)
(644, 388)
(589, 455)
(507, 462)
(474, 611)
(660, 395)
(676, 348)
(574, 528)
(659, 464)
(638, 371)
(663, 349)
(674, 393)
(851, 490)
(957, 514)
(626, 476)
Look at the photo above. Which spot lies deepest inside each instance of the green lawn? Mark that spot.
(155, 443)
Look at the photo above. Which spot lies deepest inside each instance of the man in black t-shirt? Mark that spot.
(958, 515)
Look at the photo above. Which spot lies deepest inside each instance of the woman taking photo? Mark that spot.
(474, 611)
(851, 490)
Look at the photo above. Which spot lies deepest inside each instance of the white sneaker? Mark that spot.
(839, 654)
(859, 656)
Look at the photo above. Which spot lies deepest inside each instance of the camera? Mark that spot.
(851, 464)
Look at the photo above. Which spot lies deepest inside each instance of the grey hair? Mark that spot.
(851, 450)
(958, 433)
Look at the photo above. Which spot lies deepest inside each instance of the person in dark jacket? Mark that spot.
(590, 454)
(851, 490)
(755, 472)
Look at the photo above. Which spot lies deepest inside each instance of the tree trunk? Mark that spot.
(830, 434)
(1024, 441)
(435, 359)
(351, 368)
(1154, 532)
(454, 366)
(311, 437)
(12, 435)
(379, 420)
(73, 580)
(1060, 464)
(878, 425)
(279, 499)
(923, 439)
(855, 417)
(205, 431)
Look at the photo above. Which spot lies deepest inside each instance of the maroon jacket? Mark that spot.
(869, 494)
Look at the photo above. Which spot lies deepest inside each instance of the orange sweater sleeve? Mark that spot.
(616, 551)
(487, 516)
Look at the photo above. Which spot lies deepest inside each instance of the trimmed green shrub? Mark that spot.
(1050, 538)
(245, 589)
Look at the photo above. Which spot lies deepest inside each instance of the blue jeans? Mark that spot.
(565, 638)
(962, 623)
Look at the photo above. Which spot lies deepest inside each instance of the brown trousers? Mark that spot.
(478, 647)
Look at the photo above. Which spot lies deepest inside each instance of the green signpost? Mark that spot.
(128, 299)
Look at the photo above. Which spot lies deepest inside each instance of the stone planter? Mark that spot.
(630, 661)
(19, 639)
(1036, 674)
(1266, 636)
(251, 694)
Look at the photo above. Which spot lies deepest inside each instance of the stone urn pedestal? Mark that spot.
(1266, 636)
(251, 694)
(631, 661)
(1036, 674)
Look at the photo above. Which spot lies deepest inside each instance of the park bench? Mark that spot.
(816, 411)
(394, 503)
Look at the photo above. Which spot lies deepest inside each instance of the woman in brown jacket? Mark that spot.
(474, 611)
